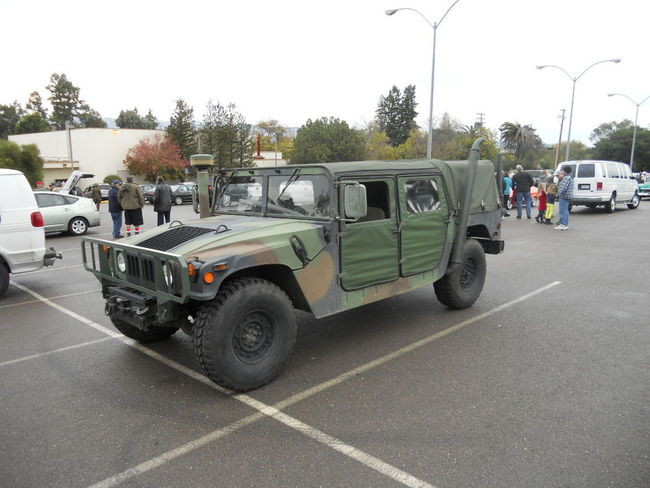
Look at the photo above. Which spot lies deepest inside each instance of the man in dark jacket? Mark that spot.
(96, 195)
(522, 182)
(115, 209)
(132, 201)
(162, 200)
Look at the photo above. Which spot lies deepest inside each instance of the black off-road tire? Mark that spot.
(634, 203)
(245, 335)
(4, 278)
(152, 335)
(461, 288)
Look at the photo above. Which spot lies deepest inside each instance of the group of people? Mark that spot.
(127, 198)
(548, 192)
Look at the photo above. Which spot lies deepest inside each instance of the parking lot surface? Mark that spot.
(543, 382)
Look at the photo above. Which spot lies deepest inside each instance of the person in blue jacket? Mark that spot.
(507, 189)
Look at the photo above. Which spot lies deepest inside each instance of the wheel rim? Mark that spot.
(179, 200)
(635, 200)
(612, 204)
(467, 274)
(253, 336)
(78, 226)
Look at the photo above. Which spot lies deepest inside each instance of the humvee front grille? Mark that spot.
(173, 237)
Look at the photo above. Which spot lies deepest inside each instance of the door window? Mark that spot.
(46, 200)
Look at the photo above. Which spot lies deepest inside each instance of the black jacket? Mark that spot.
(113, 203)
(522, 182)
(162, 199)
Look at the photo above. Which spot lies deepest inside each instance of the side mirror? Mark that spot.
(356, 205)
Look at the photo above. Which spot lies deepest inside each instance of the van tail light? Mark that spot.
(37, 219)
(599, 186)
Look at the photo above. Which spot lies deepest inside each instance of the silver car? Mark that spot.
(67, 213)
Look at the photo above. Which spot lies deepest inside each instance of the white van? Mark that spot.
(603, 183)
(22, 238)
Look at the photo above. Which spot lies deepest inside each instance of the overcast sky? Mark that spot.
(294, 60)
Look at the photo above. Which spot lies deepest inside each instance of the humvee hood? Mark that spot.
(226, 235)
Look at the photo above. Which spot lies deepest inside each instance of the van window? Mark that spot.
(586, 170)
(612, 170)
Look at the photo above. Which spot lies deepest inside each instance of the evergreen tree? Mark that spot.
(131, 119)
(31, 123)
(64, 97)
(181, 128)
(22, 158)
(226, 135)
(396, 114)
(35, 104)
(327, 140)
(9, 117)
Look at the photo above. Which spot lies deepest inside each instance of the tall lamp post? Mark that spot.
(636, 117)
(434, 26)
(573, 92)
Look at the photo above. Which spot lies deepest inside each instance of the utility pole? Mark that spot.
(557, 152)
(479, 123)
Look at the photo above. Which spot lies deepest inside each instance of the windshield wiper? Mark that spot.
(295, 173)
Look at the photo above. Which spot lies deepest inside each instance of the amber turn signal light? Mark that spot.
(208, 277)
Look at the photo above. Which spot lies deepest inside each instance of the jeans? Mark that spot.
(117, 223)
(520, 198)
(163, 217)
(564, 212)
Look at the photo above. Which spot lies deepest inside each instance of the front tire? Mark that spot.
(634, 203)
(78, 226)
(178, 200)
(152, 335)
(245, 335)
(611, 205)
(461, 288)
(4, 278)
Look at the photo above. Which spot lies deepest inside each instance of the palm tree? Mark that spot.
(517, 137)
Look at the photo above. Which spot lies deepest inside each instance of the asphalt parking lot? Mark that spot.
(542, 383)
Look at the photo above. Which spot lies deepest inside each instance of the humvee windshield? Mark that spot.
(298, 196)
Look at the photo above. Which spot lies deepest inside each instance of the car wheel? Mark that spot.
(4, 278)
(611, 205)
(178, 200)
(151, 335)
(461, 288)
(634, 203)
(78, 226)
(245, 335)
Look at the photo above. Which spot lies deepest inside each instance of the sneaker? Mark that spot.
(506, 215)
(561, 227)
(119, 237)
(518, 216)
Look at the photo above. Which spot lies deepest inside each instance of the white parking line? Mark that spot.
(273, 411)
(49, 353)
(27, 302)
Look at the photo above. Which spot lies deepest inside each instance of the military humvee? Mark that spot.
(320, 238)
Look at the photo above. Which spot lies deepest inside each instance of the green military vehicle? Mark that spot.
(320, 238)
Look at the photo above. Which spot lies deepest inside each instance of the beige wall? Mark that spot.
(98, 151)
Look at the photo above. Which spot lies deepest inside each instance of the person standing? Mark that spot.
(565, 194)
(507, 189)
(162, 200)
(132, 201)
(96, 195)
(522, 182)
(541, 203)
(115, 209)
(551, 195)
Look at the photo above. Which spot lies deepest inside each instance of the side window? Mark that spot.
(377, 197)
(421, 196)
(586, 170)
(612, 170)
(47, 200)
(69, 200)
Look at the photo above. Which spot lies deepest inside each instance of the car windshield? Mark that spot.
(174, 187)
(292, 195)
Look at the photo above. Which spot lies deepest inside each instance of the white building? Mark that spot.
(97, 151)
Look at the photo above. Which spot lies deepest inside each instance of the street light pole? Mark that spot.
(636, 118)
(573, 92)
(434, 26)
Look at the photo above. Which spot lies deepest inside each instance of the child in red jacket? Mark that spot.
(541, 200)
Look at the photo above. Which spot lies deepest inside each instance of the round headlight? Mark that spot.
(121, 261)
(167, 273)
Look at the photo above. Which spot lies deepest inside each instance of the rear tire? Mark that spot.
(461, 288)
(611, 205)
(152, 335)
(78, 226)
(4, 278)
(634, 203)
(245, 335)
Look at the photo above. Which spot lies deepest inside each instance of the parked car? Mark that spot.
(22, 240)
(102, 187)
(602, 183)
(67, 213)
(181, 194)
(148, 192)
(644, 189)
